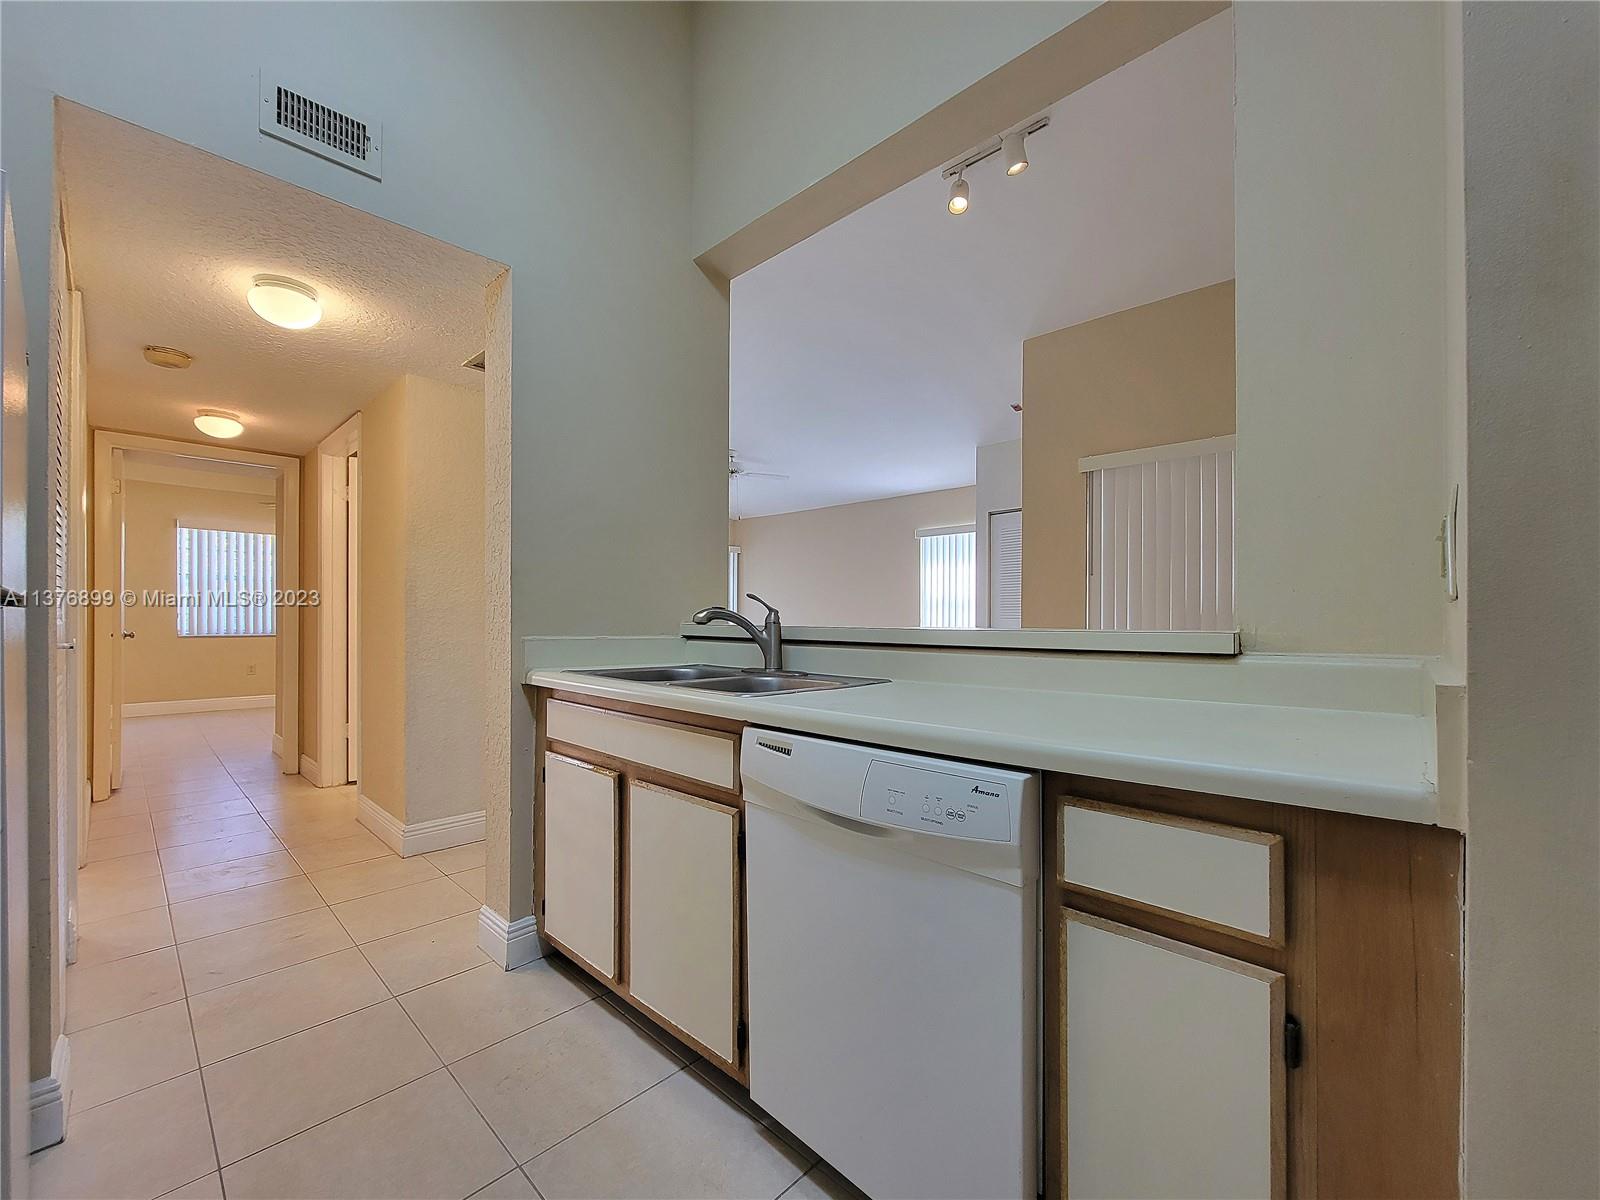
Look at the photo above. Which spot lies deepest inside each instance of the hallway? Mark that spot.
(262, 985)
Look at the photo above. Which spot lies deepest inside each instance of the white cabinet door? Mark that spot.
(683, 922)
(1174, 1068)
(580, 860)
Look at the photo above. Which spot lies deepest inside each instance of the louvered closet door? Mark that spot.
(1005, 570)
(1161, 544)
(58, 466)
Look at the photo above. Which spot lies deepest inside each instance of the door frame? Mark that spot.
(108, 445)
(335, 689)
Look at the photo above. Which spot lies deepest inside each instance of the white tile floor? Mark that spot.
(268, 1002)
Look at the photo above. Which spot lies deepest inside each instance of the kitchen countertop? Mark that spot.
(1372, 763)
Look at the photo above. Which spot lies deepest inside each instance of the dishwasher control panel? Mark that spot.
(939, 802)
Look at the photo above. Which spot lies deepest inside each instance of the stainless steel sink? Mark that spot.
(665, 674)
(751, 683)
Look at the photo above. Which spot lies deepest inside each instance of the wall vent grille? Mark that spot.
(340, 136)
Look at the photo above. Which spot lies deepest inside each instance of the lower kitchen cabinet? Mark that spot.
(582, 820)
(1174, 1068)
(1247, 999)
(683, 914)
(639, 874)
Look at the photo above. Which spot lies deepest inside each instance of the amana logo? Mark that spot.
(979, 790)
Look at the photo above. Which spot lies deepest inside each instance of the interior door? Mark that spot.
(352, 628)
(1174, 1068)
(1005, 570)
(108, 619)
(14, 1116)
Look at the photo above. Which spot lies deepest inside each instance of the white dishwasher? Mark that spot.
(893, 963)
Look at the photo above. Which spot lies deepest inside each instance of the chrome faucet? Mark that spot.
(769, 637)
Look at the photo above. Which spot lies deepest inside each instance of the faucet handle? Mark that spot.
(771, 611)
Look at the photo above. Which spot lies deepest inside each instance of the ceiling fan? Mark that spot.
(737, 471)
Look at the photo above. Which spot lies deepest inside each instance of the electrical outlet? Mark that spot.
(250, 669)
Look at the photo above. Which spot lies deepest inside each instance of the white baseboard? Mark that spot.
(511, 945)
(158, 708)
(310, 770)
(49, 1100)
(420, 837)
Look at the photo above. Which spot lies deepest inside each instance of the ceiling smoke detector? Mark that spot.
(166, 356)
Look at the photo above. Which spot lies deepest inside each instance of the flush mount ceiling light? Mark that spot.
(1016, 154)
(286, 303)
(214, 422)
(1012, 148)
(958, 197)
(166, 356)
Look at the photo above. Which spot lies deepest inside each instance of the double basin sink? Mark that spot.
(748, 681)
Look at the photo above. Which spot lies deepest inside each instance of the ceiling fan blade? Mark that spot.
(758, 475)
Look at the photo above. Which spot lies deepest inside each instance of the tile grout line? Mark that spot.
(493, 1132)
(596, 1121)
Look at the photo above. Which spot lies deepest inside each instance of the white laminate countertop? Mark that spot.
(1374, 763)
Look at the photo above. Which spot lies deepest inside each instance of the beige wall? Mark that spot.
(851, 564)
(1532, 108)
(382, 600)
(445, 645)
(423, 654)
(1149, 376)
(1340, 184)
(158, 664)
(836, 78)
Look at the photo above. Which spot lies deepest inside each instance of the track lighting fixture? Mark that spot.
(958, 197)
(1016, 154)
(1011, 147)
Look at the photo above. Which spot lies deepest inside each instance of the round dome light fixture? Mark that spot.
(958, 197)
(286, 303)
(214, 422)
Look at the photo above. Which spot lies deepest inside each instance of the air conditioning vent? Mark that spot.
(475, 363)
(340, 136)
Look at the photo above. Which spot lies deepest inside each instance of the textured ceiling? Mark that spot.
(873, 358)
(164, 239)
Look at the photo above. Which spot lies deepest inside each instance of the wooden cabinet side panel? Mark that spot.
(1388, 1035)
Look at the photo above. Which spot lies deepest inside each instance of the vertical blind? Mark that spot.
(226, 582)
(1005, 570)
(1161, 541)
(949, 577)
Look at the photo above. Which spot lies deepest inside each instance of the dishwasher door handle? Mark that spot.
(850, 824)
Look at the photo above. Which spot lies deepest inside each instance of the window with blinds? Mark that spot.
(1005, 570)
(226, 582)
(949, 577)
(1161, 537)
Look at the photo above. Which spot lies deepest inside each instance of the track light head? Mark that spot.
(958, 197)
(1015, 153)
